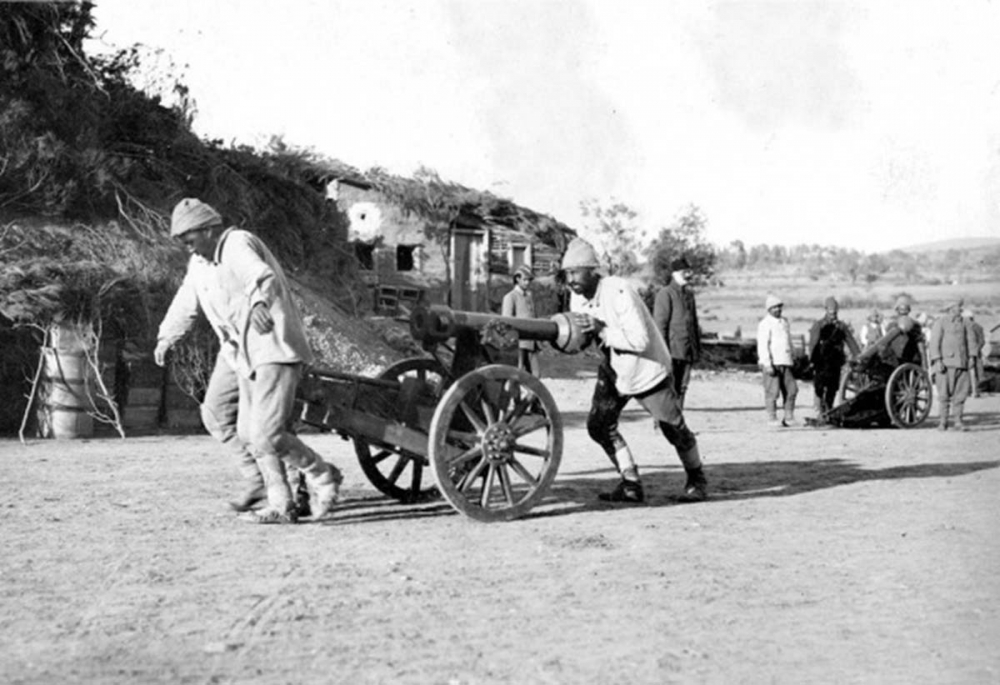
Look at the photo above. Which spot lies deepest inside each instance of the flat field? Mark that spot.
(823, 556)
(740, 301)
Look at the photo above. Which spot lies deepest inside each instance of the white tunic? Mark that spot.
(242, 274)
(639, 356)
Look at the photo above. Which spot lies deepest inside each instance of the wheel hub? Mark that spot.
(498, 442)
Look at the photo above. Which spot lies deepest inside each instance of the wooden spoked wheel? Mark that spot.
(908, 395)
(496, 443)
(396, 472)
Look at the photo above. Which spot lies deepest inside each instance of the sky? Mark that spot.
(869, 125)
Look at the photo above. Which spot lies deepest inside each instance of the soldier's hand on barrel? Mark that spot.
(260, 318)
(588, 324)
(160, 353)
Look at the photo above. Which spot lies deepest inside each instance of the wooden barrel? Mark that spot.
(64, 412)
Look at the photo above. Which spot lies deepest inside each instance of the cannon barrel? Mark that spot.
(438, 323)
(902, 325)
(880, 345)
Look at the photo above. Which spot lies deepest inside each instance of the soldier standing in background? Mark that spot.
(677, 319)
(520, 303)
(872, 331)
(827, 339)
(952, 343)
(774, 354)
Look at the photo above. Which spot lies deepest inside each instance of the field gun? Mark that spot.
(490, 434)
(887, 385)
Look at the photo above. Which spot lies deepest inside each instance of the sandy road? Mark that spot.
(823, 556)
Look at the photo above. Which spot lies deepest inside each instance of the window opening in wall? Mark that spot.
(405, 257)
(365, 254)
(518, 257)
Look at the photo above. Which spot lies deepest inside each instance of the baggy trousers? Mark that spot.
(661, 402)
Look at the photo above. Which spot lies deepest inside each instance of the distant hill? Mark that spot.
(954, 244)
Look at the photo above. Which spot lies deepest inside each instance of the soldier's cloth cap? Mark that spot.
(954, 304)
(679, 264)
(902, 301)
(830, 304)
(772, 301)
(191, 214)
(580, 254)
(524, 272)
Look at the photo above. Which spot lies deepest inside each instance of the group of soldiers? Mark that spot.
(951, 347)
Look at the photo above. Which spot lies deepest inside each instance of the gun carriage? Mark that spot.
(490, 435)
(887, 385)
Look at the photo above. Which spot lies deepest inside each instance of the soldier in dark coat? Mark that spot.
(827, 339)
(677, 319)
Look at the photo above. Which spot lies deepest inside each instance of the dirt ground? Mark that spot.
(834, 556)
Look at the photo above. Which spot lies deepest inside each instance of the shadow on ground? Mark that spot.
(727, 482)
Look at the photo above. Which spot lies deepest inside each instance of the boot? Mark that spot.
(959, 423)
(627, 491)
(789, 419)
(324, 482)
(300, 492)
(279, 507)
(254, 491)
(943, 423)
(696, 488)
(251, 497)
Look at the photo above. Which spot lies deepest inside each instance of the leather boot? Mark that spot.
(696, 487)
(943, 423)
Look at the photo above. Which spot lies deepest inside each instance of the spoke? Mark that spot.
(521, 405)
(381, 456)
(473, 418)
(503, 399)
(462, 438)
(468, 455)
(418, 472)
(397, 470)
(508, 493)
(484, 496)
(488, 412)
(533, 451)
(530, 425)
(524, 473)
(468, 479)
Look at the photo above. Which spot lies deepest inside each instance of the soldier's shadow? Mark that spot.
(753, 480)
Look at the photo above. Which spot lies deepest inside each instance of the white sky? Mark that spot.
(870, 125)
